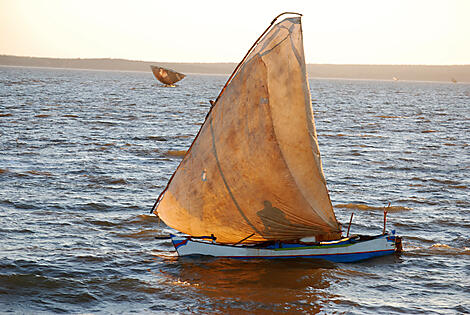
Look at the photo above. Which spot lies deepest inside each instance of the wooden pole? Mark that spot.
(350, 221)
(385, 218)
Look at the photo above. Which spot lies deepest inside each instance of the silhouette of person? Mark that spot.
(273, 218)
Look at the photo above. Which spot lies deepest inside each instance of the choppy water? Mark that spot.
(84, 154)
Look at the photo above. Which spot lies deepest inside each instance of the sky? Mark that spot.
(426, 32)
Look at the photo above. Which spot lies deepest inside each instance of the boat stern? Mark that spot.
(396, 241)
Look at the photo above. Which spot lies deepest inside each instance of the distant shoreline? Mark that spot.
(458, 73)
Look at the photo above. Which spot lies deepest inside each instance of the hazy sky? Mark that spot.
(335, 31)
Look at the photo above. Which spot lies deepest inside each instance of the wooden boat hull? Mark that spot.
(350, 249)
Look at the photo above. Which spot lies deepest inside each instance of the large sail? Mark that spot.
(166, 76)
(254, 170)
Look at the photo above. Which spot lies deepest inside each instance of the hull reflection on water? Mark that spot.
(254, 286)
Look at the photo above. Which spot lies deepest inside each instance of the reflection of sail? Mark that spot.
(258, 144)
(166, 76)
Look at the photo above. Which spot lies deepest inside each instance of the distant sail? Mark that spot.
(254, 171)
(166, 76)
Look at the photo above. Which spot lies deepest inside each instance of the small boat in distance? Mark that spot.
(251, 185)
(166, 76)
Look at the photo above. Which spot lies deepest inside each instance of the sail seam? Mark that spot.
(225, 181)
(308, 224)
(325, 220)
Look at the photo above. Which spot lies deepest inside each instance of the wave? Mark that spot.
(155, 138)
(364, 207)
(107, 180)
(443, 181)
(386, 116)
(144, 234)
(175, 153)
(439, 249)
(101, 223)
(184, 136)
(417, 200)
(142, 219)
(93, 206)
(29, 281)
(341, 135)
(40, 173)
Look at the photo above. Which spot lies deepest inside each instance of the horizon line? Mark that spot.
(231, 62)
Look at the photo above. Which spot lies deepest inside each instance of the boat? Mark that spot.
(166, 76)
(349, 249)
(251, 185)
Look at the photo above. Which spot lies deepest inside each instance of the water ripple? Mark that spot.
(85, 154)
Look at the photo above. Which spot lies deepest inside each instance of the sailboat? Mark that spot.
(251, 184)
(166, 76)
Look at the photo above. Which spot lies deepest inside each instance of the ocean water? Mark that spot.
(84, 154)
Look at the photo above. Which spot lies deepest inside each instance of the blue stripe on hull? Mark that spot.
(331, 257)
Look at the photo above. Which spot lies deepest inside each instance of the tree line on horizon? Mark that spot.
(454, 73)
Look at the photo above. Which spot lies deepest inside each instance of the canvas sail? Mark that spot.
(166, 76)
(255, 169)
